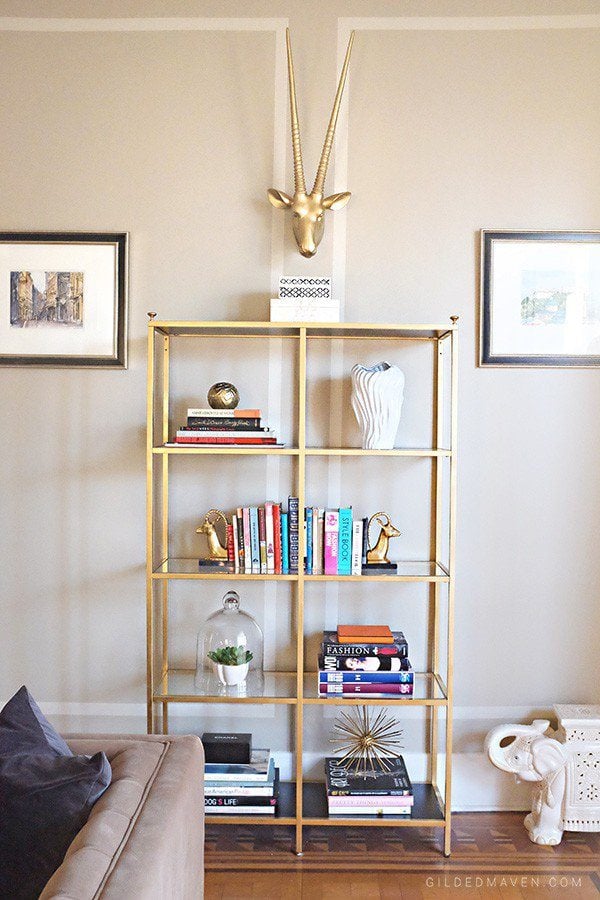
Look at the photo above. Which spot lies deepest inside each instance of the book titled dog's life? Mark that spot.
(332, 647)
(393, 782)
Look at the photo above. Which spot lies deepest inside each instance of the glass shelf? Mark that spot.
(427, 809)
(358, 451)
(181, 686)
(408, 570)
(224, 450)
(179, 567)
(427, 691)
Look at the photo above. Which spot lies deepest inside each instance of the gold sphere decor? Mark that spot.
(223, 395)
(365, 740)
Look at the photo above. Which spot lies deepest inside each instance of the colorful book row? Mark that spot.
(263, 540)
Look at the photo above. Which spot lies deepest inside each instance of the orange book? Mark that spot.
(364, 634)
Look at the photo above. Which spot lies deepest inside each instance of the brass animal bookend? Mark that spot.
(215, 548)
(308, 209)
(378, 554)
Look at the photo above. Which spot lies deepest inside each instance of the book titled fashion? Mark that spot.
(332, 647)
(392, 780)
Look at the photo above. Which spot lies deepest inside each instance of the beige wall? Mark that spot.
(170, 135)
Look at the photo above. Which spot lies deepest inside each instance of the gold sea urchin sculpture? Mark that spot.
(365, 741)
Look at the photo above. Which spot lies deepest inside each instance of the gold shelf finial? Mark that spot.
(454, 319)
(151, 315)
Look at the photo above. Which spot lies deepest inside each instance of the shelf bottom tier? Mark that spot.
(426, 812)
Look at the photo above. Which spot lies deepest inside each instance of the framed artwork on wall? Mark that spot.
(63, 299)
(540, 298)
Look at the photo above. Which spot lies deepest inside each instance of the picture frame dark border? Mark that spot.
(117, 360)
(486, 358)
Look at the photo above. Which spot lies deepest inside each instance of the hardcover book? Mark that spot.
(262, 540)
(277, 537)
(293, 528)
(261, 768)
(229, 424)
(331, 541)
(308, 518)
(285, 545)
(269, 528)
(247, 540)
(236, 545)
(345, 541)
(357, 541)
(332, 647)
(393, 782)
(367, 664)
(254, 541)
(380, 634)
(207, 412)
(369, 687)
(366, 677)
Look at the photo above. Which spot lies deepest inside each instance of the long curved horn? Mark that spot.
(299, 182)
(326, 152)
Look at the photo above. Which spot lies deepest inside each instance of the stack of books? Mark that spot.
(381, 791)
(242, 789)
(236, 427)
(364, 659)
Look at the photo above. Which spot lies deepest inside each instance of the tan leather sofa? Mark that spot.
(144, 838)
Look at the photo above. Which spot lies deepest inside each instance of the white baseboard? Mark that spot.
(476, 785)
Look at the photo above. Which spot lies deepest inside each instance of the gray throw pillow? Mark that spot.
(46, 795)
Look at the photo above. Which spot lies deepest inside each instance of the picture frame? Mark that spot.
(540, 299)
(63, 299)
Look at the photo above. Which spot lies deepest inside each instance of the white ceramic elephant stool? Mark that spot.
(565, 772)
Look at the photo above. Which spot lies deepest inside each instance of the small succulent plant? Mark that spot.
(230, 656)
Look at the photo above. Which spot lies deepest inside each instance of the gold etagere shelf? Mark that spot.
(303, 803)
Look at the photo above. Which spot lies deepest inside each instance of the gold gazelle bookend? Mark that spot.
(308, 209)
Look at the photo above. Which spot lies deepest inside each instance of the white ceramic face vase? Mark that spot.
(377, 395)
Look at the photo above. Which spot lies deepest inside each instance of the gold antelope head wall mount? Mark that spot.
(308, 209)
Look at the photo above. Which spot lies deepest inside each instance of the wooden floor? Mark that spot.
(492, 857)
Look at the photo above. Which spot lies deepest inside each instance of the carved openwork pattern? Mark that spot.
(587, 773)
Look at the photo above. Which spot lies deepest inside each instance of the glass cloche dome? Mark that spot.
(229, 627)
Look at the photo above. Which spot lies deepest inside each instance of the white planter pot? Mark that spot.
(377, 395)
(232, 674)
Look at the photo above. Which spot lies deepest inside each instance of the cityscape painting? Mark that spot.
(52, 299)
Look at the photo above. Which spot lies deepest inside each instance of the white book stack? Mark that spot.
(305, 300)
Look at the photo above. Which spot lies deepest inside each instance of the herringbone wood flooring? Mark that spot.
(492, 857)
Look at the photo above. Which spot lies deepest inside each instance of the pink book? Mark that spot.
(270, 534)
(371, 801)
(331, 541)
(247, 540)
